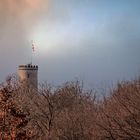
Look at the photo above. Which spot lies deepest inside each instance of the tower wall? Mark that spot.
(28, 75)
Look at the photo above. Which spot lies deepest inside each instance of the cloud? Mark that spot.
(17, 14)
(17, 17)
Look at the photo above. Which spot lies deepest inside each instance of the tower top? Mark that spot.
(28, 75)
(28, 67)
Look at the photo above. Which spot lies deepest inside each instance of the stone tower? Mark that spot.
(28, 75)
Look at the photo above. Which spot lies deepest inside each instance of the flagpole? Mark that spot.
(33, 49)
(32, 52)
(31, 56)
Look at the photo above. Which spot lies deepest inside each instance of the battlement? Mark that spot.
(28, 67)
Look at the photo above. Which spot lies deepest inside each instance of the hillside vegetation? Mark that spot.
(69, 112)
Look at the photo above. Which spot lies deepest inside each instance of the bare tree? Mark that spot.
(119, 116)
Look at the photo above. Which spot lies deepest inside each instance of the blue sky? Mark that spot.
(97, 41)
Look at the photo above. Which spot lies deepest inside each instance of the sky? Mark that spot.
(95, 41)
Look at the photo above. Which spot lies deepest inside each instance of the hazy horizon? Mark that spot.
(96, 41)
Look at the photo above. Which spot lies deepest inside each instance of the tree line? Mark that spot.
(69, 112)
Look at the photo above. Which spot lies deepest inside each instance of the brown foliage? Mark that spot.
(62, 113)
(71, 113)
(119, 115)
(13, 120)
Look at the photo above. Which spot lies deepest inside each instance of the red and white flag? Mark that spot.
(33, 47)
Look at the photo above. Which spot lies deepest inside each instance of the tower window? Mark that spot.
(28, 75)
